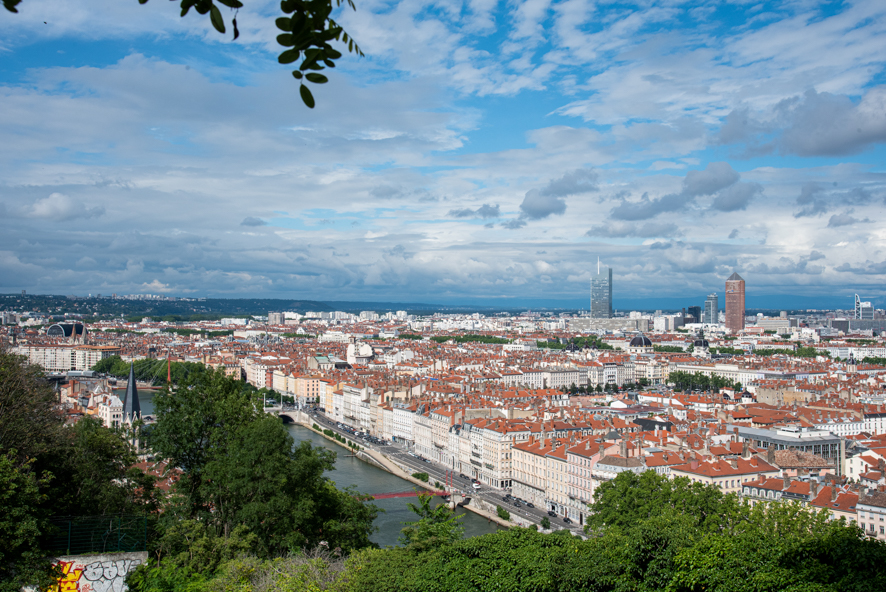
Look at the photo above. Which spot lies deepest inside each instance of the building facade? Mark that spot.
(735, 303)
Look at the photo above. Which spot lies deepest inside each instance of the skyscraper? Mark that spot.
(711, 310)
(735, 303)
(863, 310)
(601, 293)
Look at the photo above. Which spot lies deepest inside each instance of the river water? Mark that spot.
(367, 479)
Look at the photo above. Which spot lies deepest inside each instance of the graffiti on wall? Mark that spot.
(103, 573)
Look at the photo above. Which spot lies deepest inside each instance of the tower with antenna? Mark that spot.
(601, 292)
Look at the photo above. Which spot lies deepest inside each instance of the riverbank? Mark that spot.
(384, 462)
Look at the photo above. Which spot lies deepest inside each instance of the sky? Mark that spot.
(481, 152)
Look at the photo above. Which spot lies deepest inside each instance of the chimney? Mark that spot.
(770, 454)
(602, 450)
(786, 480)
(623, 448)
(745, 449)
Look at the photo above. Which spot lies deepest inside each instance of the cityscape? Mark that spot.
(423, 296)
(768, 407)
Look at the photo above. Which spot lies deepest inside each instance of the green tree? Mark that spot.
(96, 474)
(631, 498)
(241, 469)
(280, 493)
(436, 526)
(22, 525)
(196, 421)
(31, 419)
(502, 513)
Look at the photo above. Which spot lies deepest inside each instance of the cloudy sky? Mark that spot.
(481, 151)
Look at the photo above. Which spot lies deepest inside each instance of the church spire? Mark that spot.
(132, 410)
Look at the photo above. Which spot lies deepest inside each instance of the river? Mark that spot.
(367, 479)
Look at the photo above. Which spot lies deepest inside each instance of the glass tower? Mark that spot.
(711, 310)
(601, 293)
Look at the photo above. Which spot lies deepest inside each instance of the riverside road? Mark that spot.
(438, 472)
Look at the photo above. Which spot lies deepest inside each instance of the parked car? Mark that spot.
(530, 505)
(552, 514)
(567, 520)
(517, 504)
(476, 486)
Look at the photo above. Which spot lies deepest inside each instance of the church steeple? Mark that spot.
(132, 409)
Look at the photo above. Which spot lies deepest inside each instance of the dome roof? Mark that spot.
(700, 343)
(640, 341)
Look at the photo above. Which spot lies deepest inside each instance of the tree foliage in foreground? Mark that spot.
(48, 468)
(306, 30)
(662, 545)
(436, 526)
(242, 470)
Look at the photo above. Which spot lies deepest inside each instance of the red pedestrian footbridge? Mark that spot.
(413, 493)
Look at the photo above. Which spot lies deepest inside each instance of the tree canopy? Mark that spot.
(306, 30)
(48, 468)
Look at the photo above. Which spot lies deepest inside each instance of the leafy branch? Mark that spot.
(307, 29)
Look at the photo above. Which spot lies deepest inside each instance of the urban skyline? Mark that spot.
(484, 154)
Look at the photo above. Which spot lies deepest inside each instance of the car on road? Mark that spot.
(506, 498)
(476, 486)
(552, 514)
(517, 504)
(530, 505)
(567, 520)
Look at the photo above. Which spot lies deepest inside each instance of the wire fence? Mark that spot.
(81, 535)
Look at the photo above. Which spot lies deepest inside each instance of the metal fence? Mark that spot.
(98, 534)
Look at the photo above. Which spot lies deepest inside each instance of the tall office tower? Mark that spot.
(863, 310)
(735, 303)
(601, 293)
(695, 313)
(711, 310)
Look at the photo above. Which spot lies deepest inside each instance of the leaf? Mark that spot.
(217, 21)
(236, 31)
(306, 96)
(288, 56)
(284, 24)
(316, 78)
(297, 73)
(228, 3)
(286, 39)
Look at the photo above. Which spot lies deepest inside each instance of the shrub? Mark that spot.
(421, 476)
(316, 427)
(502, 513)
(545, 523)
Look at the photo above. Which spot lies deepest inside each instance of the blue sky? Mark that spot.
(481, 151)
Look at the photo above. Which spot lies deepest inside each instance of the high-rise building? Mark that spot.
(711, 310)
(695, 313)
(601, 293)
(735, 303)
(863, 310)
